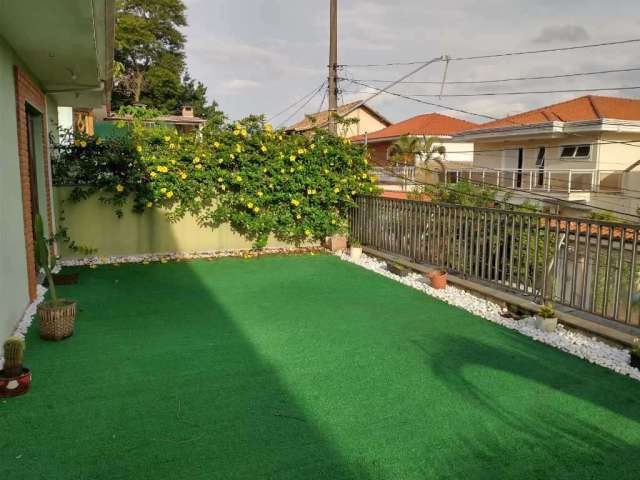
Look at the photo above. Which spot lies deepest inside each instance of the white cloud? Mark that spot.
(239, 84)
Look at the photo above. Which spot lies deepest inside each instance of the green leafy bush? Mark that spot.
(260, 181)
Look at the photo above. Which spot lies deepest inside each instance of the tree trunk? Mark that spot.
(137, 89)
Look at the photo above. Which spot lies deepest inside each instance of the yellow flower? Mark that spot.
(169, 194)
(216, 144)
(364, 175)
(312, 146)
(256, 210)
(300, 151)
(163, 190)
(232, 156)
(196, 159)
(183, 176)
(263, 148)
(346, 141)
(153, 174)
(280, 137)
(236, 132)
(326, 170)
(366, 162)
(198, 167)
(325, 151)
(238, 148)
(336, 190)
(220, 180)
(292, 170)
(333, 222)
(223, 187)
(139, 148)
(250, 204)
(162, 169)
(167, 138)
(149, 204)
(119, 188)
(83, 144)
(221, 160)
(264, 170)
(244, 132)
(173, 162)
(282, 170)
(292, 158)
(298, 216)
(172, 146)
(259, 194)
(268, 127)
(307, 232)
(238, 178)
(295, 202)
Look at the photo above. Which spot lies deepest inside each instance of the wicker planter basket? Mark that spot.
(14, 386)
(57, 319)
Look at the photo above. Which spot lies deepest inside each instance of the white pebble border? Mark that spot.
(166, 257)
(575, 343)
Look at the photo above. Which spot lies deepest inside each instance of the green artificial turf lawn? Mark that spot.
(304, 368)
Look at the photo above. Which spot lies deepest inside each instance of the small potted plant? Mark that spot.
(57, 316)
(355, 249)
(397, 269)
(635, 355)
(14, 378)
(546, 319)
(438, 279)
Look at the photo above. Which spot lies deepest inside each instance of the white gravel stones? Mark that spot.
(588, 348)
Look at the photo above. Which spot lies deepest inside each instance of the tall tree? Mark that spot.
(151, 58)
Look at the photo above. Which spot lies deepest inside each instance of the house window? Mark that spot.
(575, 151)
(540, 166)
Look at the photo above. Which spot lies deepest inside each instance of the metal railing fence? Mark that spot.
(581, 263)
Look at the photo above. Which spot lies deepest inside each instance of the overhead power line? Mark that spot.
(500, 80)
(311, 97)
(300, 100)
(497, 94)
(498, 55)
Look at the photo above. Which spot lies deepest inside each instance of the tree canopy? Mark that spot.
(151, 59)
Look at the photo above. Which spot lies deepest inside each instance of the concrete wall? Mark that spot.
(95, 225)
(14, 295)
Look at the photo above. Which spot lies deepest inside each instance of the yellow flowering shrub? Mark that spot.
(260, 181)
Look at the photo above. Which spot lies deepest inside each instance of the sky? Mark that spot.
(260, 56)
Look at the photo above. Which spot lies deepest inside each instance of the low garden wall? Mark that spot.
(92, 224)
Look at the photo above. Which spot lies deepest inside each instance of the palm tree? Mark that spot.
(404, 150)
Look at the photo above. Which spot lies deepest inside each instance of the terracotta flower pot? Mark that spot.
(57, 319)
(14, 386)
(438, 279)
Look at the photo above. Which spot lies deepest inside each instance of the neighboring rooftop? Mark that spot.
(321, 118)
(431, 124)
(589, 107)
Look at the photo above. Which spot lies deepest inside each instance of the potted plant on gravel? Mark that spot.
(438, 279)
(57, 316)
(635, 355)
(355, 249)
(14, 378)
(546, 319)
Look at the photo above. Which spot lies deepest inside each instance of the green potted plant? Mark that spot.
(546, 319)
(14, 378)
(635, 355)
(355, 248)
(57, 316)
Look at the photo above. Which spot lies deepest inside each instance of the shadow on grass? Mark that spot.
(160, 382)
(555, 440)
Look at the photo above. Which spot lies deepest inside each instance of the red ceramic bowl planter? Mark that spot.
(438, 279)
(14, 386)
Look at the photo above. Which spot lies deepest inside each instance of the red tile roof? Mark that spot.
(432, 124)
(590, 107)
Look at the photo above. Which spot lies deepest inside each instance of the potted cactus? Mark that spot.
(355, 249)
(14, 378)
(57, 316)
(546, 319)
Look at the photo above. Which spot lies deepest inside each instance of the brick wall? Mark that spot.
(27, 92)
(378, 152)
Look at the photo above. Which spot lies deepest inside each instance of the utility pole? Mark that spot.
(333, 66)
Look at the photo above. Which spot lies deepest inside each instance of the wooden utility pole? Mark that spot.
(332, 84)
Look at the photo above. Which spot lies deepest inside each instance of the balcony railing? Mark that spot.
(549, 180)
(404, 175)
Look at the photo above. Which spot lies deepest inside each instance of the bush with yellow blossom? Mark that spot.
(259, 180)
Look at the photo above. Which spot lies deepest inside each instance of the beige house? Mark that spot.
(585, 150)
(362, 120)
